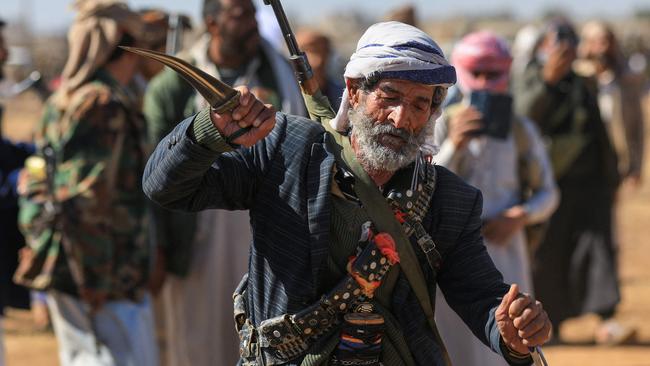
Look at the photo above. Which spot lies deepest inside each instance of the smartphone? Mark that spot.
(497, 113)
(565, 34)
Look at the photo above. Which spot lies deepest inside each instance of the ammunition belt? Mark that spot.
(410, 214)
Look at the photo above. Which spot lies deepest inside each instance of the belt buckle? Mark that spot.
(426, 244)
(283, 337)
(364, 307)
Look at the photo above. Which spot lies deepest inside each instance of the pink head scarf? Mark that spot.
(485, 52)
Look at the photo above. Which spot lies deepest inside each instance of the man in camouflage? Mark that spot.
(96, 246)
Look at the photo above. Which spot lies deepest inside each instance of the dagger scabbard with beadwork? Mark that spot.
(221, 97)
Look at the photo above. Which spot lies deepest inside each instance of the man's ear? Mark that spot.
(354, 93)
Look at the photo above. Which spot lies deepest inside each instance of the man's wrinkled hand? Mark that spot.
(249, 113)
(464, 126)
(23, 182)
(522, 321)
(559, 63)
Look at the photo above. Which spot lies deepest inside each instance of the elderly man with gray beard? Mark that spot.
(349, 239)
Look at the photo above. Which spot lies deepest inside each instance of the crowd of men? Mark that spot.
(416, 210)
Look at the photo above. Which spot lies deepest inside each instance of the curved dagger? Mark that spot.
(221, 97)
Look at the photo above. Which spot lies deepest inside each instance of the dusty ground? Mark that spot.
(27, 347)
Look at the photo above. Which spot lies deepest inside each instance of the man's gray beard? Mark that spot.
(372, 154)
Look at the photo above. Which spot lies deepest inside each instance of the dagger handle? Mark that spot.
(228, 105)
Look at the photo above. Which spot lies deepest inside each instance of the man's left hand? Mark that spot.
(522, 322)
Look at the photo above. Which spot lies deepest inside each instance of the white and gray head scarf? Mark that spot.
(394, 50)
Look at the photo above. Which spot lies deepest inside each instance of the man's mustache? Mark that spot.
(388, 128)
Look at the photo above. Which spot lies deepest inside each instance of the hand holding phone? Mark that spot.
(464, 124)
(559, 63)
(561, 54)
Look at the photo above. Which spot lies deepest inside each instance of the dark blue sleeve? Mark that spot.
(184, 175)
(13, 155)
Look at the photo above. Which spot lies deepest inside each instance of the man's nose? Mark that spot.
(482, 81)
(400, 117)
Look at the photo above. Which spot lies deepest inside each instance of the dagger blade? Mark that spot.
(221, 97)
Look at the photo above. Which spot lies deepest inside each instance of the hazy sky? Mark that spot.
(55, 14)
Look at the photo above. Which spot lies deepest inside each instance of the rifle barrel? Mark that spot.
(301, 67)
(294, 50)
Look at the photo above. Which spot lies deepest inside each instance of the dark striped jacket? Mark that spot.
(284, 181)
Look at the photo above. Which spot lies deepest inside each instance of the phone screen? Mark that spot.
(496, 110)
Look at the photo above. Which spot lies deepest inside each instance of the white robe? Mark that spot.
(198, 308)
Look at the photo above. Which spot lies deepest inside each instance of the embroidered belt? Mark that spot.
(287, 336)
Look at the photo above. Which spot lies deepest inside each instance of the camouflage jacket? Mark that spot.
(99, 141)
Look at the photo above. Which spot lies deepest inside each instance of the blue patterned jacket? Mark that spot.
(285, 183)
